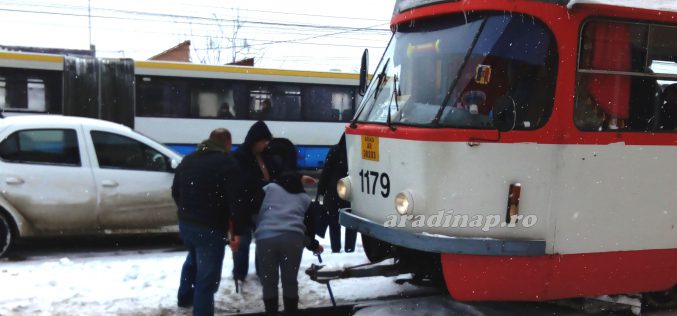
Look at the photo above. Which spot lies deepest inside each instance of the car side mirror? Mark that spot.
(173, 165)
(364, 67)
(504, 113)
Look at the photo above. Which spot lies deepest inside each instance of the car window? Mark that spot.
(42, 146)
(121, 152)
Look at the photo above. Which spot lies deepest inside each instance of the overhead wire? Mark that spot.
(189, 20)
(306, 30)
(203, 35)
(193, 5)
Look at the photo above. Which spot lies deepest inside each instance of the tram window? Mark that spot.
(3, 93)
(275, 102)
(181, 97)
(31, 92)
(328, 104)
(36, 95)
(625, 75)
(260, 104)
(286, 103)
(468, 61)
(158, 96)
(207, 103)
(162, 97)
(212, 99)
(23, 94)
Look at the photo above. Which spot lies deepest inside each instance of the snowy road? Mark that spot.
(139, 276)
(142, 280)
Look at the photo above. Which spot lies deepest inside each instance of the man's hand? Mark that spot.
(318, 250)
(308, 180)
(234, 243)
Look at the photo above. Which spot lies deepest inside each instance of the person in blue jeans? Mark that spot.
(204, 187)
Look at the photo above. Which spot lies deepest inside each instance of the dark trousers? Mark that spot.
(280, 255)
(201, 271)
(241, 256)
(335, 237)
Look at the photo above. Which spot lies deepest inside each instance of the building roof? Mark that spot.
(180, 52)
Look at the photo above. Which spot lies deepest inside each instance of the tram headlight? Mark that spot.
(343, 188)
(404, 203)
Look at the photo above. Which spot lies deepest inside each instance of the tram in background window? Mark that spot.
(178, 104)
(522, 150)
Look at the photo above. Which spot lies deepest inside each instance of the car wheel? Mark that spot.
(6, 234)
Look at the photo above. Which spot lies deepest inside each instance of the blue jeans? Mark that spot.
(241, 256)
(201, 272)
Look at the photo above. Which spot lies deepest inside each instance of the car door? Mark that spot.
(45, 175)
(134, 182)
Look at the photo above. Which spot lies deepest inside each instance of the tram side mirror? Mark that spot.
(364, 67)
(504, 113)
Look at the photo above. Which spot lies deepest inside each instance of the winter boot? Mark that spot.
(291, 306)
(271, 307)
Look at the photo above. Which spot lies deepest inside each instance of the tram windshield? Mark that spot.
(449, 71)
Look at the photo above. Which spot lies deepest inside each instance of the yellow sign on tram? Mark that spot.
(370, 148)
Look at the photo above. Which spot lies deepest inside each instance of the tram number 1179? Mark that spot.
(369, 180)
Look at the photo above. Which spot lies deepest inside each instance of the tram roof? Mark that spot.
(659, 5)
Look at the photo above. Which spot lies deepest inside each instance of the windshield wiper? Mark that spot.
(381, 79)
(468, 53)
(395, 95)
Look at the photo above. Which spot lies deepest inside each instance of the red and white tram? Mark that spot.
(532, 144)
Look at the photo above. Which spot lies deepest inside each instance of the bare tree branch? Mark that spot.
(213, 48)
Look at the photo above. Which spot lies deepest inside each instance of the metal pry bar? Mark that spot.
(358, 271)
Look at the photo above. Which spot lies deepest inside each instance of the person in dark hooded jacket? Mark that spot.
(256, 170)
(204, 187)
(335, 168)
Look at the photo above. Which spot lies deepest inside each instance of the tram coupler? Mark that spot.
(316, 273)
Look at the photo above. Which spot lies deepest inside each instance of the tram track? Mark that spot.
(442, 304)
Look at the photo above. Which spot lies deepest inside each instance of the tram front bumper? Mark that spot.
(442, 244)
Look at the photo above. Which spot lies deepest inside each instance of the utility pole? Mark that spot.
(89, 18)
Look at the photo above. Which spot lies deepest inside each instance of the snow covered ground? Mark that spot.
(132, 283)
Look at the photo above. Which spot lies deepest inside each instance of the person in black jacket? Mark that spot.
(256, 170)
(335, 168)
(204, 186)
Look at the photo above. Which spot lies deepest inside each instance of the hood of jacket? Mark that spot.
(257, 132)
(211, 145)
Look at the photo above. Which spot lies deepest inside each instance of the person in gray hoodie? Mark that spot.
(284, 226)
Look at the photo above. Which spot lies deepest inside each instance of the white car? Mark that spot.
(77, 176)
